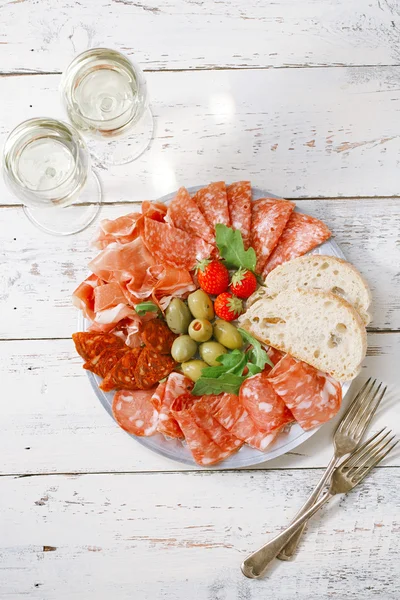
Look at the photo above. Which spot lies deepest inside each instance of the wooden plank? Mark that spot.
(185, 34)
(38, 273)
(302, 133)
(177, 536)
(52, 421)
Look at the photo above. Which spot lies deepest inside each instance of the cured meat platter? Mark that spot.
(288, 439)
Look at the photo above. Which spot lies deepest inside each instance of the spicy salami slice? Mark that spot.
(151, 367)
(312, 396)
(134, 412)
(302, 234)
(239, 202)
(176, 385)
(230, 413)
(174, 247)
(266, 409)
(158, 396)
(213, 203)
(204, 450)
(105, 361)
(88, 345)
(122, 375)
(269, 218)
(157, 336)
(184, 213)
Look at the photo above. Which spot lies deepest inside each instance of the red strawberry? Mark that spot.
(213, 276)
(243, 283)
(227, 307)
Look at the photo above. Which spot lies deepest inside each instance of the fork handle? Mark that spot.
(290, 548)
(256, 564)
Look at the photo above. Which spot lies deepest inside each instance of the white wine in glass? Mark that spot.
(105, 96)
(46, 164)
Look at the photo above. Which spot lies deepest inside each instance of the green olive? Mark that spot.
(201, 306)
(178, 316)
(200, 330)
(183, 348)
(193, 369)
(209, 352)
(226, 334)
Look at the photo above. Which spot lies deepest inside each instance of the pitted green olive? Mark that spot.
(210, 351)
(226, 334)
(200, 330)
(193, 369)
(200, 305)
(178, 316)
(183, 348)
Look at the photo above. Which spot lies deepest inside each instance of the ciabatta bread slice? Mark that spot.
(319, 328)
(324, 273)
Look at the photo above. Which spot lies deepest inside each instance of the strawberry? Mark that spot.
(213, 276)
(227, 307)
(243, 283)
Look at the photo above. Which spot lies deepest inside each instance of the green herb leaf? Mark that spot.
(145, 307)
(232, 362)
(253, 369)
(215, 385)
(231, 248)
(257, 354)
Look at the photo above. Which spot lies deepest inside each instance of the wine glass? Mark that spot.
(105, 96)
(47, 165)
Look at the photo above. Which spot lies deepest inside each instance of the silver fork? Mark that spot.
(346, 439)
(345, 478)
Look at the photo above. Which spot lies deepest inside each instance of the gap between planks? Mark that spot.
(196, 471)
(219, 68)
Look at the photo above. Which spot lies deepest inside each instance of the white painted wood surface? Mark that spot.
(197, 34)
(299, 132)
(85, 511)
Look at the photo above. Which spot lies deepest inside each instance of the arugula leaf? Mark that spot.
(231, 248)
(215, 385)
(233, 362)
(145, 307)
(257, 354)
(253, 369)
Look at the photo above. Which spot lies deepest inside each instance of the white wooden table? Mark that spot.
(303, 98)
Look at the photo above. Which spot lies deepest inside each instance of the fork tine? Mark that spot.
(364, 472)
(369, 413)
(370, 454)
(351, 460)
(367, 401)
(354, 406)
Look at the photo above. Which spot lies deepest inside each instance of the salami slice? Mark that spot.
(266, 409)
(269, 218)
(157, 336)
(105, 361)
(151, 367)
(312, 396)
(158, 396)
(213, 203)
(89, 345)
(134, 412)
(239, 202)
(302, 234)
(173, 246)
(202, 412)
(184, 213)
(176, 385)
(275, 356)
(122, 375)
(204, 450)
(230, 413)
